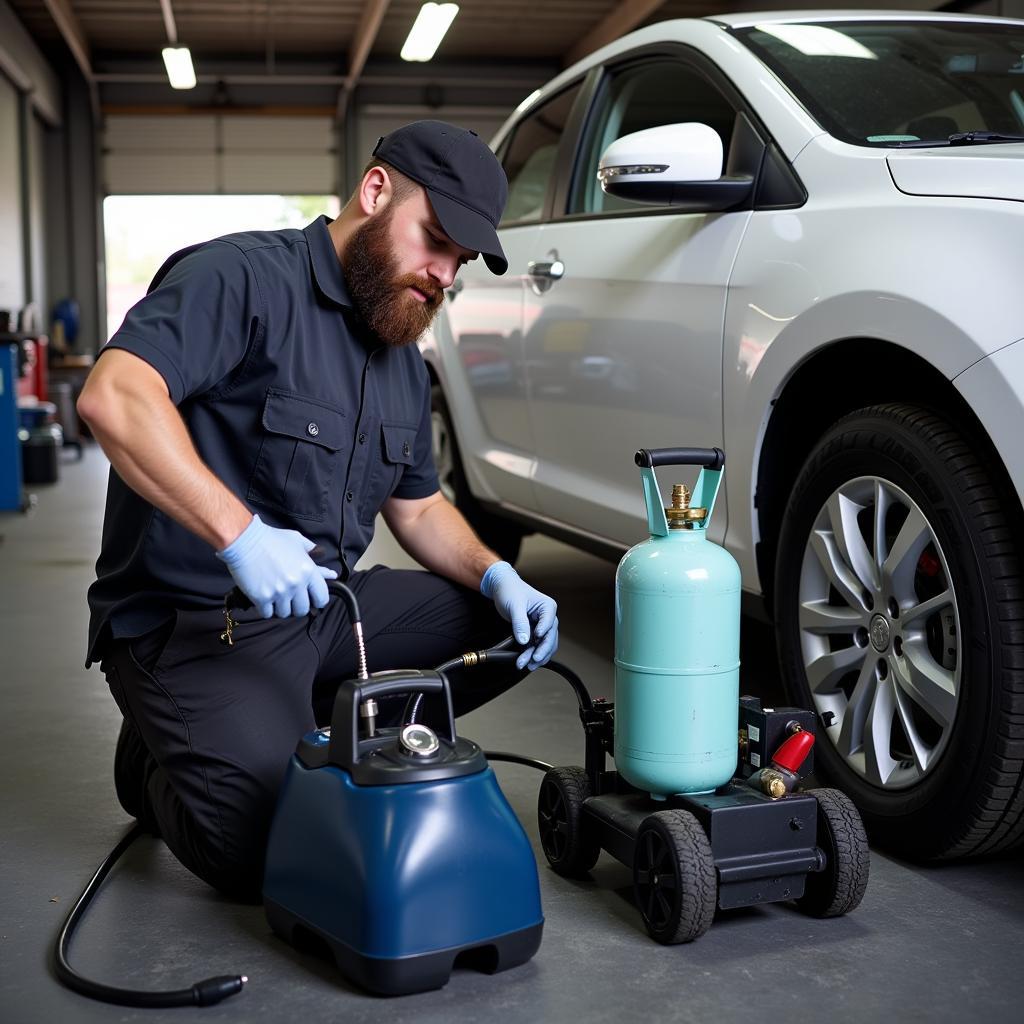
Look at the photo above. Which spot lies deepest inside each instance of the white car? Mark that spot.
(805, 246)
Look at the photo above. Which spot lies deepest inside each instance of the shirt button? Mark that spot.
(349, 496)
(362, 439)
(312, 429)
(405, 448)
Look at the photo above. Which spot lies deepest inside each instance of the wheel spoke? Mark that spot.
(838, 573)
(878, 761)
(851, 732)
(843, 512)
(883, 500)
(823, 619)
(922, 753)
(930, 686)
(825, 671)
(926, 608)
(900, 565)
(664, 906)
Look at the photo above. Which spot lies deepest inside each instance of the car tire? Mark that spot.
(913, 662)
(504, 537)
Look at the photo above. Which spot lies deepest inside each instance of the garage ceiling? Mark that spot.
(514, 29)
(336, 45)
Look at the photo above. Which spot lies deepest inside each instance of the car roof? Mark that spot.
(750, 18)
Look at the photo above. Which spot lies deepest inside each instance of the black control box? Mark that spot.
(763, 730)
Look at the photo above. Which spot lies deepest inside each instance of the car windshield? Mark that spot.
(899, 83)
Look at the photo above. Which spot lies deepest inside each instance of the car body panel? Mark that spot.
(603, 345)
(995, 171)
(484, 376)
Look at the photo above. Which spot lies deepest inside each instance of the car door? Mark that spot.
(623, 339)
(487, 385)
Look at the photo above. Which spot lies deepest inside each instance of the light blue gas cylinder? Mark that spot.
(677, 639)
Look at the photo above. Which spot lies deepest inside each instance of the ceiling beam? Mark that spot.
(359, 51)
(623, 18)
(70, 29)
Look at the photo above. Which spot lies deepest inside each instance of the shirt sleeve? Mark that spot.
(419, 480)
(194, 327)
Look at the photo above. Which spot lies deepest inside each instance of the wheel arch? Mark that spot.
(809, 403)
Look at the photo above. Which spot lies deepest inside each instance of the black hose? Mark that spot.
(202, 993)
(413, 704)
(502, 755)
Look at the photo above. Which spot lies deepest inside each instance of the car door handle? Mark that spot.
(550, 270)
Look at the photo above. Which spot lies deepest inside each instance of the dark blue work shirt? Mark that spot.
(289, 399)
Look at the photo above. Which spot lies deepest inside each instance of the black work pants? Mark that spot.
(209, 728)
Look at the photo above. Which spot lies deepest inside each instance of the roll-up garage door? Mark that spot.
(212, 154)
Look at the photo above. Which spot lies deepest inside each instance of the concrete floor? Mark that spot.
(927, 944)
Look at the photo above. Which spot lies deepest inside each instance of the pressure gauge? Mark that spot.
(418, 739)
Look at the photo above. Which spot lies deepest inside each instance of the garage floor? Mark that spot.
(927, 944)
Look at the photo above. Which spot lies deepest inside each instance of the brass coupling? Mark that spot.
(772, 783)
(680, 516)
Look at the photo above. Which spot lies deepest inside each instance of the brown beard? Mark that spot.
(370, 266)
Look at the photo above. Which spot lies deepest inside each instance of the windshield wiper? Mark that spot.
(959, 139)
(968, 138)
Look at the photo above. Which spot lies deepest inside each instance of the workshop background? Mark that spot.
(289, 100)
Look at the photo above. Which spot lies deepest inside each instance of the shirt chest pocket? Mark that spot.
(299, 455)
(395, 451)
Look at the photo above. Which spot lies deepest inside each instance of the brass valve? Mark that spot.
(680, 516)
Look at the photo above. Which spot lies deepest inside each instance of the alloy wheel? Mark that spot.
(880, 632)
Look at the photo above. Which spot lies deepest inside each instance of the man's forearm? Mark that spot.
(440, 539)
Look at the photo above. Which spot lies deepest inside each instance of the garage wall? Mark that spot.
(38, 291)
(211, 154)
(12, 249)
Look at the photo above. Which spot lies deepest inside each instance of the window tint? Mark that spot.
(529, 160)
(638, 97)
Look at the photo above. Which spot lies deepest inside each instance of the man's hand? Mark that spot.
(533, 615)
(273, 569)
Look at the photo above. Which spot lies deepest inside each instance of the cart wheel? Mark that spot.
(674, 877)
(569, 850)
(840, 887)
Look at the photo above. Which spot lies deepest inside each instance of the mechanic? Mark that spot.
(259, 407)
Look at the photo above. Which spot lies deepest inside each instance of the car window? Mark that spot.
(887, 83)
(529, 158)
(644, 96)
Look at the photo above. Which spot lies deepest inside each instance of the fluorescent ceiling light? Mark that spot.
(428, 30)
(178, 62)
(818, 41)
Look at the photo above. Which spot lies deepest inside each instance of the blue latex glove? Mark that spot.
(273, 569)
(533, 615)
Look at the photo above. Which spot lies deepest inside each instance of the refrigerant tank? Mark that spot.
(677, 640)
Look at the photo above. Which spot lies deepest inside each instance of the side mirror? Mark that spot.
(672, 165)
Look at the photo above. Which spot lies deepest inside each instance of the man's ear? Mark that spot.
(375, 191)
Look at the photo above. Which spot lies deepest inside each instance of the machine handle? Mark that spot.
(709, 458)
(346, 747)
(375, 688)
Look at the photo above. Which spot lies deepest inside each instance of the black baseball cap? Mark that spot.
(464, 182)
